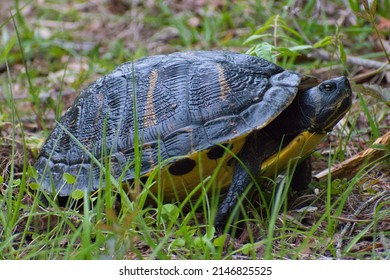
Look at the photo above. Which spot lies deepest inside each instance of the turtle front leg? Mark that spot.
(251, 155)
(302, 176)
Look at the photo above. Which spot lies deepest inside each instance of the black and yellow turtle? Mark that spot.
(188, 115)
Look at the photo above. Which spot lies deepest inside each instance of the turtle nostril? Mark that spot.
(347, 82)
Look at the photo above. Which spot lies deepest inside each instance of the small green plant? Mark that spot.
(369, 14)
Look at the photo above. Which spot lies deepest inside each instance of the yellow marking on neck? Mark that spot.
(335, 120)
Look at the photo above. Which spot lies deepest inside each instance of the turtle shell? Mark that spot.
(171, 111)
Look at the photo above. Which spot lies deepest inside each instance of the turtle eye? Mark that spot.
(328, 87)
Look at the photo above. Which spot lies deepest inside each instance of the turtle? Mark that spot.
(181, 117)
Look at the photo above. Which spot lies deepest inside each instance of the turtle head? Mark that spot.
(324, 105)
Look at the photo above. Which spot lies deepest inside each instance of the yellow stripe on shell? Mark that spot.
(149, 111)
(223, 84)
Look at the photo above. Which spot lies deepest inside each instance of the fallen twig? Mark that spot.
(368, 63)
(348, 168)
